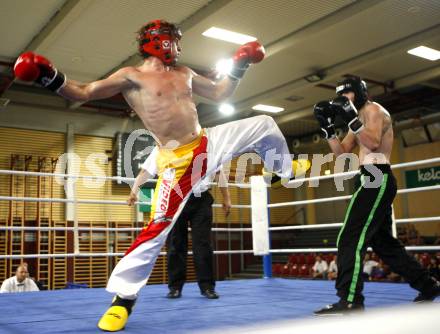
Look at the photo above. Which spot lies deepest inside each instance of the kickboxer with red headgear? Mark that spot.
(160, 92)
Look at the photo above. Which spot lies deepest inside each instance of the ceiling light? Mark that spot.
(294, 98)
(224, 66)
(263, 107)
(425, 52)
(226, 109)
(228, 36)
(315, 77)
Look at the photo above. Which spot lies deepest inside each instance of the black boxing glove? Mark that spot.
(325, 115)
(349, 113)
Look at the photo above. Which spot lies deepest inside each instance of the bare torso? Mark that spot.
(162, 98)
(382, 154)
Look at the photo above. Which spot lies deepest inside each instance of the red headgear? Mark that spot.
(159, 38)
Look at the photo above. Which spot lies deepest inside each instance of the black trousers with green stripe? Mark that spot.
(368, 222)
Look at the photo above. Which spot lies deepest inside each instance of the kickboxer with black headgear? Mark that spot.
(368, 220)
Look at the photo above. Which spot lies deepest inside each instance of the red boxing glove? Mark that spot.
(35, 68)
(249, 53)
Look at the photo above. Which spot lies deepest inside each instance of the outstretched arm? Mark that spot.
(35, 68)
(101, 89)
(213, 90)
(249, 53)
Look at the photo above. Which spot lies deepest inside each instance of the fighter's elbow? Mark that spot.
(77, 97)
(220, 96)
(87, 93)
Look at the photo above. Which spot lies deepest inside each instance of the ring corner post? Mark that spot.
(267, 259)
(260, 223)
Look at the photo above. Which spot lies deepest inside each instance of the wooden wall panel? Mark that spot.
(85, 148)
(34, 144)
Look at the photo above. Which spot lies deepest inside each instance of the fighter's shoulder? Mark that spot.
(125, 72)
(374, 108)
(381, 109)
(128, 70)
(185, 69)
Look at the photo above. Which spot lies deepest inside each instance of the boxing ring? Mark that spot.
(250, 306)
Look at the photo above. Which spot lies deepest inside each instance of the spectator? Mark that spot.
(378, 272)
(39, 284)
(433, 268)
(413, 236)
(393, 277)
(333, 269)
(402, 234)
(20, 282)
(320, 268)
(369, 265)
(417, 257)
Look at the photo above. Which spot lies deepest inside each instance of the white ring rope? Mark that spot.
(352, 173)
(244, 185)
(274, 205)
(92, 201)
(66, 200)
(93, 177)
(334, 225)
(215, 229)
(329, 250)
(234, 206)
(347, 197)
(106, 229)
(223, 252)
(47, 256)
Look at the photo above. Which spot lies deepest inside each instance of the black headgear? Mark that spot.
(357, 86)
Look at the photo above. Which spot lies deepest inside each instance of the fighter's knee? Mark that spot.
(266, 121)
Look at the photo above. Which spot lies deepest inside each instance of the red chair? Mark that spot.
(425, 259)
(301, 259)
(328, 258)
(285, 270)
(310, 259)
(293, 259)
(304, 271)
(276, 269)
(294, 271)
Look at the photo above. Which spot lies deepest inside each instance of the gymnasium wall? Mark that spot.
(23, 149)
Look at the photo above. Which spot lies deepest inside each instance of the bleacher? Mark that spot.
(299, 265)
